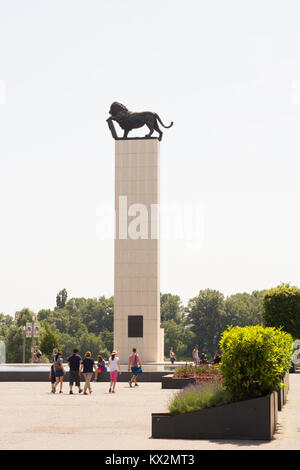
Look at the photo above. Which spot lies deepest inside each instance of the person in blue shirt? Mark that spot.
(59, 371)
(74, 362)
(87, 367)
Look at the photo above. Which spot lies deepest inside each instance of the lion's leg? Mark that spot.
(150, 126)
(150, 133)
(125, 133)
(158, 130)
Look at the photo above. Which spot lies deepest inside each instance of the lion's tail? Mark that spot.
(167, 127)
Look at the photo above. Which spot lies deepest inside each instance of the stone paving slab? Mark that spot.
(33, 418)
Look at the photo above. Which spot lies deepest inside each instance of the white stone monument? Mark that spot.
(136, 277)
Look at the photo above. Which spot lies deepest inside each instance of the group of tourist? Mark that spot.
(88, 366)
(198, 360)
(202, 359)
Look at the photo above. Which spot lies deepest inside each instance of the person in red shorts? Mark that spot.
(101, 367)
(114, 369)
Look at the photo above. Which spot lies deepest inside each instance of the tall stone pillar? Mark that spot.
(136, 283)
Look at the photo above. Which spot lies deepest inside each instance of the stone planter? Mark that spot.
(250, 419)
(169, 382)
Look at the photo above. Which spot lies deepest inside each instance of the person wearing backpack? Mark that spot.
(135, 364)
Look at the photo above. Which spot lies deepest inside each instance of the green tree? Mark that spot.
(282, 309)
(61, 299)
(206, 315)
(93, 343)
(107, 338)
(180, 337)
(244, 309)
(69, 343)
(97, 314)
(50, 338)
(14, 345)
(24, 317)
(171, 308)
(44, 314)
(5, 323)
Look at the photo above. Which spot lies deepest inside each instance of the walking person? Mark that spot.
(101, 367)
(52, 377)
(114, 369)
(74, 362)
(135, 363)
(87, 367)
(59, 372)
(196, 355)
(172, 355)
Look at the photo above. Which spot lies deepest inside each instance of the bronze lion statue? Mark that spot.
(128, 120)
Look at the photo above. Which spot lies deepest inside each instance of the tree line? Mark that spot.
(87, 323)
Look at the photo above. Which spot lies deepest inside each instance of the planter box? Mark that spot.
(169, 382)
(249, 419)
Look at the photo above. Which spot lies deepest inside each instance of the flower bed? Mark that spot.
(191, 375)
(204, 373)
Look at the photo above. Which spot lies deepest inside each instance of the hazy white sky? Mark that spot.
(227, 74)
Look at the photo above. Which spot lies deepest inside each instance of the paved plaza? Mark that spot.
(33, 418)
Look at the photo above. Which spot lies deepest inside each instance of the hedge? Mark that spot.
(282, 309)
(254, 360)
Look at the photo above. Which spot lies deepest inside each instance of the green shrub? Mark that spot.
(198, 397)
(254, 360)
(282, 309)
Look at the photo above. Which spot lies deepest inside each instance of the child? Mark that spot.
(101, 367)
(52, 377)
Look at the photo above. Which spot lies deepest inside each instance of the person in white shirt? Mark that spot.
(114, 369)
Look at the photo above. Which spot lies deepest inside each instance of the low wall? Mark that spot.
(43, 376)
